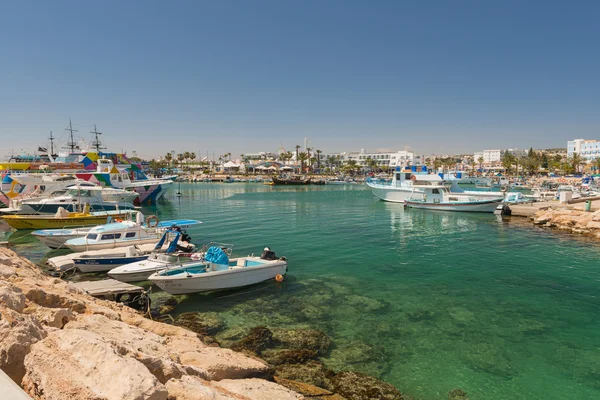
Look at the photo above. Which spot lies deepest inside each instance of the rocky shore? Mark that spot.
(59, 343)
(575, 221)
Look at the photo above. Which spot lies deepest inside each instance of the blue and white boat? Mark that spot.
(57, 238)
(157, 260)
(216, 271)
(107, 259)
(436, 196)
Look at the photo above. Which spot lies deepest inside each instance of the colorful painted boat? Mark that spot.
(64, 220)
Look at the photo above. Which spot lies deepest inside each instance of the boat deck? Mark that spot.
(108, 287)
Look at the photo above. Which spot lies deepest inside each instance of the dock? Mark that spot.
(529, 209)
(108, 287)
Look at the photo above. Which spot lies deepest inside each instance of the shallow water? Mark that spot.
(428, 301)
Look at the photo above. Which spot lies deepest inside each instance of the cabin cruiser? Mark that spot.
(436, 196)
(122, 234)
(72, 197)
(408, 183)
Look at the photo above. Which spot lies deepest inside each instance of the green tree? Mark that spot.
(507, 160)
(576, 162)
(303, 156)
(371, 163)
(319, 152)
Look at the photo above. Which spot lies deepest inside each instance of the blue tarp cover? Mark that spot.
(216, 255)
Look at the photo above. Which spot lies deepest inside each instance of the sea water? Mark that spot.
(426, 300)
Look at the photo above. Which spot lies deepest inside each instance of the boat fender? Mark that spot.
(279, 278)
(152, 221)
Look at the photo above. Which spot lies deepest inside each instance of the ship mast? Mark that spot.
(51, 145)
(71, 145)
(96, 143)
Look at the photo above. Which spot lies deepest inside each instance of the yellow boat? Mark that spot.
(73, 219)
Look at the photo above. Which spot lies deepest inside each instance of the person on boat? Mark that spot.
(267, 254)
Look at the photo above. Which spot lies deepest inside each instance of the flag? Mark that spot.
(43, 149)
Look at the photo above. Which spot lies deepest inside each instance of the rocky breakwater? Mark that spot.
(575, 221)
(59, 343)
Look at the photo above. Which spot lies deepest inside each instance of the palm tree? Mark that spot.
(437, 163)
(507, 160)
(303, 157)
(371, 163)
(169, 158)
(192, 156)
(576, 161)
(297, 154)
(596, 164)
(480, 161)
(351, 166)
(319, 160)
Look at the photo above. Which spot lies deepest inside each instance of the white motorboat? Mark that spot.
(108, 259)
(123, 233)
(438, 197)
(218, 272)
(158, 260)
(72, 198)
(100, 260)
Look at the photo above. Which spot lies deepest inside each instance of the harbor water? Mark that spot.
(428, 301)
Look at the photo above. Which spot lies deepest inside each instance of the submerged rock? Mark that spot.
(205, 324)
(296, 356)
(258, 389)
(313, 372)
(457, 394)
(310, 339)
(356, 386)
(259, 339)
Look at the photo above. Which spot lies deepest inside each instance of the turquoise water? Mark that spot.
(428, 301)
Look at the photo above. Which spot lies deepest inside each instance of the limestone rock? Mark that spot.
(12, 296)
(17, 333)
(258, 389)
(147, 347)
(194, 388)
(457, 394)
(75, 364)
(226, 364)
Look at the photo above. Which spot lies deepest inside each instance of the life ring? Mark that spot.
(504, 188)
(562, 180)
(152, 221)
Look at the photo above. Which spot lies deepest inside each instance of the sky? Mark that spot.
(435, 77)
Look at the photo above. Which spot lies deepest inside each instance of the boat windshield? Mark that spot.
(76, 193)
(92, 236)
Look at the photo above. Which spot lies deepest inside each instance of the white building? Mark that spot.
(494, 156)
(588, 149)
(400, 158)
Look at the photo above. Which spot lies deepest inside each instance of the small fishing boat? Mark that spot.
(436, 196)
(216, 271)
(157, 260)
(57, 238)
(123, 234)
(64, 219)
(290, 180)
(107, 259)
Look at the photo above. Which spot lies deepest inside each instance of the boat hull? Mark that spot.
(50, 222)
(393, 194)
(125, 274)
(104, 264)
(56, 240)
(218, 280)
(112, 244)
(482, 206)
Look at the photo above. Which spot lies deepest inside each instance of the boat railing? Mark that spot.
(226, 247)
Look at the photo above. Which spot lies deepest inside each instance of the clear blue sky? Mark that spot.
(248, 76)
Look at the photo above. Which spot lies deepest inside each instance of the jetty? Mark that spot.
(108, 287)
